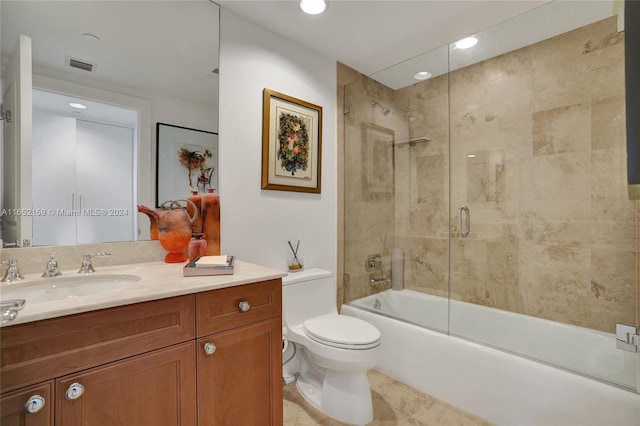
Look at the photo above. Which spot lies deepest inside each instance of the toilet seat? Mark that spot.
(342, 331)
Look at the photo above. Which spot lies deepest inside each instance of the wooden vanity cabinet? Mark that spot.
(42, 350)
(117, 393)
(105, 366)
(239, 355)
(211, 358)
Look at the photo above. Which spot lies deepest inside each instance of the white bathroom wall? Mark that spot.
(256, 223)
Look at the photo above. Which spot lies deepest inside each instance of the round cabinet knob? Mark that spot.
(75, 391)
(209, 348)
(34, 404)
(244, 306)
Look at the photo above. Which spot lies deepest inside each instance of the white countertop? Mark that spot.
(158, 280)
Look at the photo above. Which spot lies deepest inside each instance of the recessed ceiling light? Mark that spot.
(77, 105)
(471, 155)
(466, 43)
(313, 7)
(422, 75)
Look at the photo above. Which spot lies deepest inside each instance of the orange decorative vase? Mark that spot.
(174, 227)
(197, 247)
(196, 200)
(210, 208)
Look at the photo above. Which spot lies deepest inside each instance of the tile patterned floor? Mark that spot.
(394, 404)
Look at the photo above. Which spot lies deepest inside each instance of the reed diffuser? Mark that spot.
(295, 263)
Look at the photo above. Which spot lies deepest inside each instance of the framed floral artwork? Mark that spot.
(186, 161)
(291, 144)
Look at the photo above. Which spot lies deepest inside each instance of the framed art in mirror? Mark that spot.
(186, 161)
(291, 144)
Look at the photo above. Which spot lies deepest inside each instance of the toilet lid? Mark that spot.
(342, 331)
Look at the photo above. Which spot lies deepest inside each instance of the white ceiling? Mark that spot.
(171, 47)
(164, 47)
(388, 39)
(534, 26)
(370, 36)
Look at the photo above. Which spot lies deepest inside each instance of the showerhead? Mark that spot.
(385, 110)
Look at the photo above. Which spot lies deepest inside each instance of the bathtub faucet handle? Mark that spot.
(627, 337)
(373, 263)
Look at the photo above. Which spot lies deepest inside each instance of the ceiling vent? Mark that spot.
(80, 65)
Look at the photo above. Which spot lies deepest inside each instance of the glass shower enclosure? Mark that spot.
(499, 177)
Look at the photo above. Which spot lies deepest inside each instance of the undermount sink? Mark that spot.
(51, 289)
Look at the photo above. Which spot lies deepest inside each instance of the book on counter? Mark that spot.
(209, 265)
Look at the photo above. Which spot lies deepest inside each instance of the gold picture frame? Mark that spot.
(291, 144)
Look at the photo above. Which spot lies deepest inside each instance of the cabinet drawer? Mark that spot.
(38, 351)
(219, 310)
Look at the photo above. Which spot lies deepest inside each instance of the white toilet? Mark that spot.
(333, 352)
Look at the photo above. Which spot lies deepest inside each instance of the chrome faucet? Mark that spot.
(52, 267)
(12, 273)
(87, 266)
(378, 281)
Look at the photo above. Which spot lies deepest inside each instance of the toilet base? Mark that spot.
(343, 396)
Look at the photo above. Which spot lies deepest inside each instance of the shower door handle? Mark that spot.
(464, 232)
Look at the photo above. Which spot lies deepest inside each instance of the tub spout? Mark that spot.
(377, 281)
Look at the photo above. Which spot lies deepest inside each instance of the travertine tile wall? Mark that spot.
(368, 217)
(553, 233)
(422, 190)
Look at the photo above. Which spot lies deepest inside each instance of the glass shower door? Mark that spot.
(396, 180)
(543, 237)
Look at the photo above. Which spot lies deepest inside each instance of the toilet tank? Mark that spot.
(307, 294)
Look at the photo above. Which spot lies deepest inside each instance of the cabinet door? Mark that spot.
(30, 406)
(156, 389)
(240, 383)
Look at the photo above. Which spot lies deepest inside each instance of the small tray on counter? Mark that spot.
(191, 270)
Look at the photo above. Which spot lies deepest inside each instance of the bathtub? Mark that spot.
(497, 384)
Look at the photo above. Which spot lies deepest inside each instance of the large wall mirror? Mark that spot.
(84, 84)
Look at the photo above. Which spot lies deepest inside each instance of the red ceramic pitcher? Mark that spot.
(173, 227)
